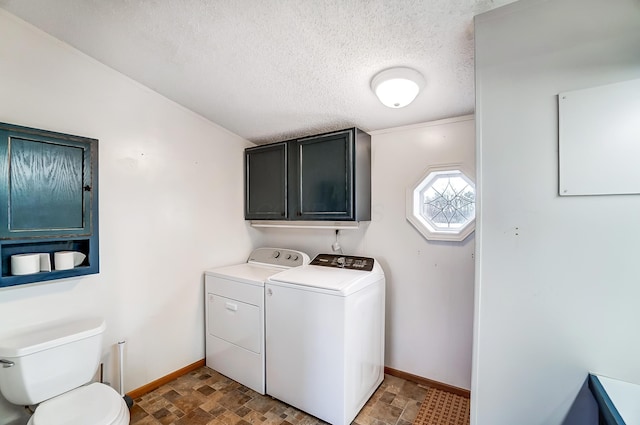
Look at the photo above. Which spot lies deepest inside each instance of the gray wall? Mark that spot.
(557, 284)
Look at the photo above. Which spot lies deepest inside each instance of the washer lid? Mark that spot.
(252, 274)
(95, 404)
(339, 281)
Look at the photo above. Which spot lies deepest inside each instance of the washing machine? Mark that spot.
(234, 310)
(325, 335)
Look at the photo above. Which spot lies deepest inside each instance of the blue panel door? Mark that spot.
(45, 184)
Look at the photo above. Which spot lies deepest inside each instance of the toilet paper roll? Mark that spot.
(65, 260)
(45, 262)
(25, 264)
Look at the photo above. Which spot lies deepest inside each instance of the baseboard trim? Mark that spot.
(139, 392)
(427, 382)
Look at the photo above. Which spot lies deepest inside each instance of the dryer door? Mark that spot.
(234, 321)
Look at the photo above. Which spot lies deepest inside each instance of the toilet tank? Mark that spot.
(49, 359)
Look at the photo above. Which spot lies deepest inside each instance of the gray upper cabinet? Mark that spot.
(266, 182)
(324, 178)
(48, 189)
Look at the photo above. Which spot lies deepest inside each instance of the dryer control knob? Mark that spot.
(276, 254)
(295, 258)
(288, 256)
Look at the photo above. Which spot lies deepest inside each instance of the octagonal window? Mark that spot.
(442, 204)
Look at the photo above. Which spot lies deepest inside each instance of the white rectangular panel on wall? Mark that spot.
(599, 132)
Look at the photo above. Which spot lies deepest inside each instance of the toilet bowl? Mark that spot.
(95, 404)
(51, 366)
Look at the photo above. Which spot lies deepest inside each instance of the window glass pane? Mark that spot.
(448, 201)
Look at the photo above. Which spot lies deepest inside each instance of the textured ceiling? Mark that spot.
(272, 70)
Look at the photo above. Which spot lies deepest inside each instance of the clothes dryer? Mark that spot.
(234, 310)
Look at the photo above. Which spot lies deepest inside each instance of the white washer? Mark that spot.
(325, 335)
(234, 310)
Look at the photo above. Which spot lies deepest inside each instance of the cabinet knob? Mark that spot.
(87, 188)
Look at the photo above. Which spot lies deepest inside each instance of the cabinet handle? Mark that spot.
(231, 306)
(87, 188)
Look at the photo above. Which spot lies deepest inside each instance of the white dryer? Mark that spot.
(325, 335)
(234, 310)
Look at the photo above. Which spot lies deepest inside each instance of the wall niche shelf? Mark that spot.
(49, 198)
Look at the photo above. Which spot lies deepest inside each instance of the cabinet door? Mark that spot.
(324, 177)
(266, 182)
(45, 182)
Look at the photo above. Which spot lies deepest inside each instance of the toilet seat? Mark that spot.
(93, 404)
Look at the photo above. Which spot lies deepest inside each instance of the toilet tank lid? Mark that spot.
(32, 339)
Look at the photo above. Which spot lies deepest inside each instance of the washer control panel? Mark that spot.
(278, 257)
(344, 262)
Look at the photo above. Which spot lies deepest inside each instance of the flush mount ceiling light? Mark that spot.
(397, 87)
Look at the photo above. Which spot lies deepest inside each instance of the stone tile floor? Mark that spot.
(205, 397)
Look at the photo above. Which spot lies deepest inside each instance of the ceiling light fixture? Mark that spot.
(397, 87)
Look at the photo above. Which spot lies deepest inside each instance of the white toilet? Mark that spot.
(49, 365)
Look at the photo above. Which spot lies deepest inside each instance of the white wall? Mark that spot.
(429, 284)
(170, 203)
(557, 279)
